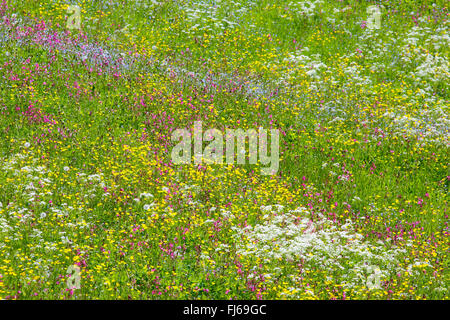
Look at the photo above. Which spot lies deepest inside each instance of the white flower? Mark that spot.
(146, 195)
(26, 145)
(66, 168)
(65, 240)
(148, 206)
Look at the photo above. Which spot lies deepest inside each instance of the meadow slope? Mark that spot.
(358, 208)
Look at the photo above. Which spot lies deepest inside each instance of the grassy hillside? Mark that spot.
(358, 208)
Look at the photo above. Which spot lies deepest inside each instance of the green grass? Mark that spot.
(363, 120)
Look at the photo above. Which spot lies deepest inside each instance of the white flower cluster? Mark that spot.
(293, 236)
(313, 66)
(32, 183)
(215, 16)
(306, 8)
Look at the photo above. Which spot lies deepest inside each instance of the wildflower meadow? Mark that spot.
(221, 149)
